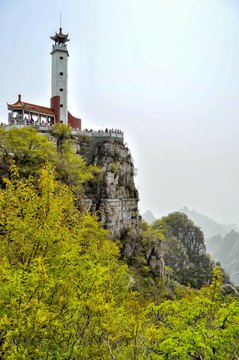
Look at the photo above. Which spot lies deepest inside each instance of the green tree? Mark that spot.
(200, 325)
(61, 133)
(30, 150)
(72, 169)
(63, 292)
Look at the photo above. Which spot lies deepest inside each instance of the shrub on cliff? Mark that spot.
(30, 150)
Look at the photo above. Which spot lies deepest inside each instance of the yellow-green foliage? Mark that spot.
(63, 293)
(60, 132)
(200, 325)
(72, 169)
(114, 166)
(30, 151)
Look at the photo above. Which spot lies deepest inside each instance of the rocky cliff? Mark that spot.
(181, 254)
(185, 251)
(114, 196)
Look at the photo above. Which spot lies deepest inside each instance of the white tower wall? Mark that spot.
(59, 78)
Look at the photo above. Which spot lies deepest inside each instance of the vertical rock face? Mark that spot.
(155, 257)
(191, 237)
(115, 196)
(185, 251)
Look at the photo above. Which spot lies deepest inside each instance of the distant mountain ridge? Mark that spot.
(222, 241)
(226, 250)
(208, 226)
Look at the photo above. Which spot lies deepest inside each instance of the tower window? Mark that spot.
(61, 58)
(61, 73)
(61, 105)
(61, 89)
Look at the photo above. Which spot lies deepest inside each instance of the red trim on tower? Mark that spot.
(55, 105)
(74, 122)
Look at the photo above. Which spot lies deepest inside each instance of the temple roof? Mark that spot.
(30, 107)
(60, 38)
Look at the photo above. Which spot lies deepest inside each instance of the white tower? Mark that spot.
(59, 74)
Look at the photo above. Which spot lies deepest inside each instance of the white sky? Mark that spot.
(164, 71)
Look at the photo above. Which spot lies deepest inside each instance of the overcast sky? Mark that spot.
(164, 71)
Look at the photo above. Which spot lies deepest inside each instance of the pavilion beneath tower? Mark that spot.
(23, 113)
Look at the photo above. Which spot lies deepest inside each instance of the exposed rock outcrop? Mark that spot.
(115, 198)
(155, 257)
(185, 251)
(115, 195)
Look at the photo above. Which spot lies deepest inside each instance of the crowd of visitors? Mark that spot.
(116, 131)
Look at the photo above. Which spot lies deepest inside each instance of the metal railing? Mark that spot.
(44, 127)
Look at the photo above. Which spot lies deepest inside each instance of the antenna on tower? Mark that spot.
(60, 23)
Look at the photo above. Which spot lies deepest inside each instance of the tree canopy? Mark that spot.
(30, 150)
(65, 295)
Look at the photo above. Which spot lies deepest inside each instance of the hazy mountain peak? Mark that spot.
(225, 249)
(209, 226)
(148, 217)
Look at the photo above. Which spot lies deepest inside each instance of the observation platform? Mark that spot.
(45, 126)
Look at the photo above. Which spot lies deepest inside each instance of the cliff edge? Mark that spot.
(114, 196)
